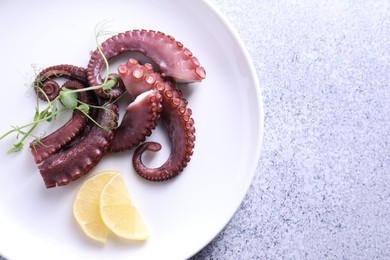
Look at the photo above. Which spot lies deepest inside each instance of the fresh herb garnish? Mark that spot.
(67, 97)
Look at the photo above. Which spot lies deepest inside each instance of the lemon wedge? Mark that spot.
(118, 212)
(86, 206)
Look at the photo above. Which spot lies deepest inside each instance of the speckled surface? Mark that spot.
(322, 188)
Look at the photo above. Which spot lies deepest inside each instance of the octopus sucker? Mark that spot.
(201, 72)
(64, 166)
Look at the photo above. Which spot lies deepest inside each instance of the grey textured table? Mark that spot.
(322, 188)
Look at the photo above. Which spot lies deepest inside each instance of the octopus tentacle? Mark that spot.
(177, 118)
(52, 143)
(173, 59)
(45, 81)
(179, 123)
(140, 118)
(74, 149)
(70, 164)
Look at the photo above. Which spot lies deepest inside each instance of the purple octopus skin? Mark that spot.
(175, 114)
(174, 60)
(52, 143)
(76, 161)
(51, 88)
(74, 149)
(140, 118)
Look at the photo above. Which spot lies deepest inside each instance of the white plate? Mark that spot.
(183, 215)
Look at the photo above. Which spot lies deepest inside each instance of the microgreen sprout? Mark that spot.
(100, 30)
(67, 97)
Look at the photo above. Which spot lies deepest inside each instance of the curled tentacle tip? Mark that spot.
(152, 146)
(51, 90)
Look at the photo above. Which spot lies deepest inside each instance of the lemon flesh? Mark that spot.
(118, 212)
(86, 206)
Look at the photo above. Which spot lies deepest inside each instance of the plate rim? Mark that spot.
(259, 97)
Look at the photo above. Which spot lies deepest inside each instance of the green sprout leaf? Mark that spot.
(68, 98)
(84, 108)
(15, 148)
(37, 115)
